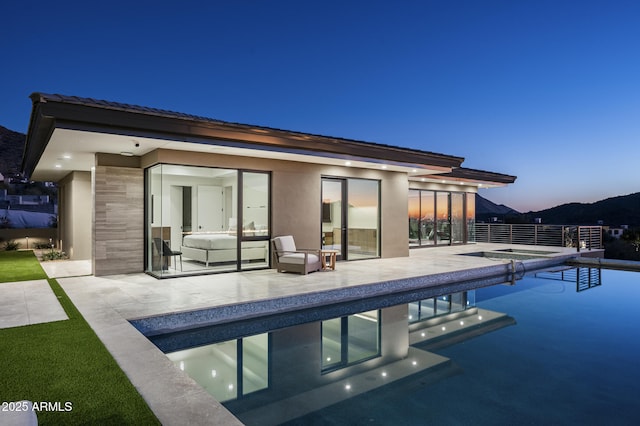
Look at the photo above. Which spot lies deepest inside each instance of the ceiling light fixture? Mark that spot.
(126, 154)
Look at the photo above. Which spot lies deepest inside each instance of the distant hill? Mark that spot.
(615, 211)
(621, 210)
(485, 210)
(11, 148)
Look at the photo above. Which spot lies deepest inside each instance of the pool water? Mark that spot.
(568, 354)
(572, 358)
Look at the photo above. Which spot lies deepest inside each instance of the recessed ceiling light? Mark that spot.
(414, 170)
(58, 166)
(127, 153)
(347, 163)
(66, 156)
(384, 166)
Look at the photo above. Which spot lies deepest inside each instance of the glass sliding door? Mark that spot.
(471, 216)
(443, 219)
(254, 249)
(334, 231)
(414, 218)
(427, 218)
(363, 220)
(156, 229)
(351, 217)
(457, 218)
(202, 219)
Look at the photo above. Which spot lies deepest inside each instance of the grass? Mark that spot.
(20, 266)
(64, 361)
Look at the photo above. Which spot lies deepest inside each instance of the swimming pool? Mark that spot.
(559, 347)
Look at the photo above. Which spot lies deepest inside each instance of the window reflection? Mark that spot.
(349, 340)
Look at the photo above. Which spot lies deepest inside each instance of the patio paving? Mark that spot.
(28, 302)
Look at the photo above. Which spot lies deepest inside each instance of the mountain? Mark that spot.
(621, 210)
(485, 210)
(615, 211)
(11, 147)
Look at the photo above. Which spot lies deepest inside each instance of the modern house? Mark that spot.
(142, 189)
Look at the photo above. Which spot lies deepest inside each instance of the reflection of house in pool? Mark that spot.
(217, 192)
(584, 278)
(272, 377)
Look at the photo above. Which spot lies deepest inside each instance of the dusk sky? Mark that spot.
(548, 91)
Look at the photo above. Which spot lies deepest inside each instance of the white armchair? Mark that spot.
(290, 259)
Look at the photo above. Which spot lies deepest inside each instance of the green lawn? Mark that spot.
(64, 361)
(19, 266)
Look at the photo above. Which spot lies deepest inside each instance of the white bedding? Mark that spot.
(217, 242)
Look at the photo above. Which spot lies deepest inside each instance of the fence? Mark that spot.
(580, 237)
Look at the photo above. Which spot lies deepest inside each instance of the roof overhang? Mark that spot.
(465, 176)
(65, 133)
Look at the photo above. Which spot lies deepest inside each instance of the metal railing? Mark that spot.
(580, 237)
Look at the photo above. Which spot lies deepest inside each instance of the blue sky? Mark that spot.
(548, 91)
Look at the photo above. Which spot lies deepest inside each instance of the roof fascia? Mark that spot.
(40, 130)
(473, 175)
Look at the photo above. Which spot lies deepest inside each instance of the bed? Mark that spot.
(221, 247)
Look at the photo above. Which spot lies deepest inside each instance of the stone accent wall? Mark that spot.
(118, 220)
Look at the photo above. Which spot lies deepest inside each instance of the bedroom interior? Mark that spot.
(196, 211)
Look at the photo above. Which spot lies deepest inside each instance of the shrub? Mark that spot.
(11, 245)
(54, 255)
(5, 222)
